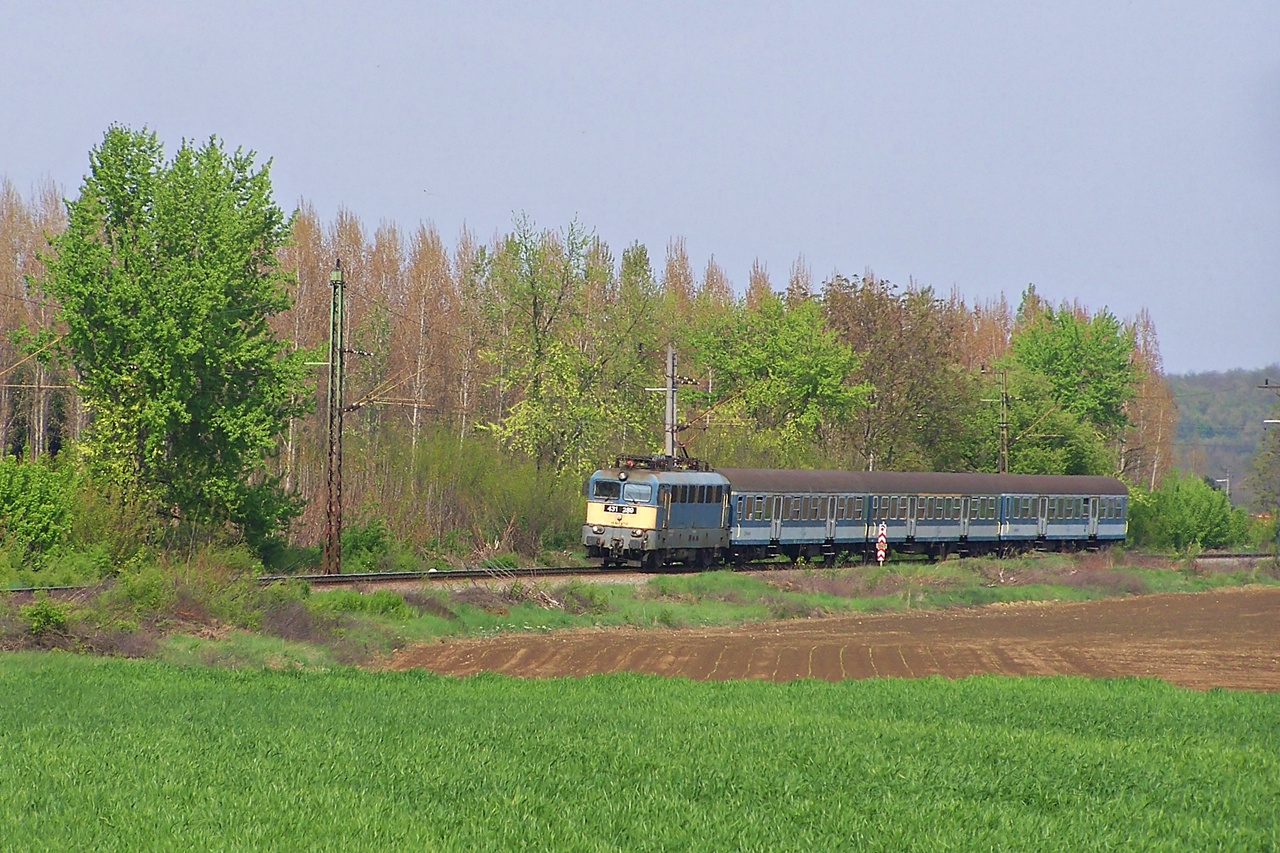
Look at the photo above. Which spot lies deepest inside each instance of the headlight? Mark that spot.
(638, 532)
(597, 529)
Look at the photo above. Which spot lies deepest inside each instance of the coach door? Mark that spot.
(775, 520)
(828, 505)
(911, 516)
(1093, 517)
(1042, 522)
(964, 517)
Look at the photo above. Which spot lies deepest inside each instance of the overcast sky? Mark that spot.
(1126, 154)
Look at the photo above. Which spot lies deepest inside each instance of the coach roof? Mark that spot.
(765, 480)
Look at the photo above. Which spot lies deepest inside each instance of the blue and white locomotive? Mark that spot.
(657, 511)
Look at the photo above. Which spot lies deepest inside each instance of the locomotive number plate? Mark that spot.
(620, 508)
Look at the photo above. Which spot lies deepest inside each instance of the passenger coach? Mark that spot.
(817, 514)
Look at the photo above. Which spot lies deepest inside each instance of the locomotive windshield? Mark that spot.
(607, 489)
(638, 492)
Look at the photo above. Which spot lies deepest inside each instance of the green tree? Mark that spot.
(1089, 362)
(167, 277)
(781, 371)
(566, 333)
(1044, 437)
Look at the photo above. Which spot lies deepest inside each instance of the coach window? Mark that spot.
(741, 502)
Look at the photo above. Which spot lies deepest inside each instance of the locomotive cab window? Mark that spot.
(638, 492)
(607, 490)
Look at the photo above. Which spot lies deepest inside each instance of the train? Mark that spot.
(658, 511)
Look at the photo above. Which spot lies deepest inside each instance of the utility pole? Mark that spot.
(1267, 386)
(1003, 465)
(333, 507)
(669, 420)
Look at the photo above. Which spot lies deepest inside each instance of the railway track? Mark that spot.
(378, 578)
(531, 573)
(452, 575)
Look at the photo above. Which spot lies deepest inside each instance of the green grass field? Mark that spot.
(101, 754)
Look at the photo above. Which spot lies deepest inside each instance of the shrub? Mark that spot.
(1185, 512)
(35, 504)
(380, 603)
(45, 616)
(583, 598)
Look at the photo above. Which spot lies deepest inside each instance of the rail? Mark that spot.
(504, 574)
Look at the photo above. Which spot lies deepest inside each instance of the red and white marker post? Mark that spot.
(882, 543)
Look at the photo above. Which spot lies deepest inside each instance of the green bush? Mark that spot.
(35, 504)
(380, 603)
(45, 616)
(1185, 512)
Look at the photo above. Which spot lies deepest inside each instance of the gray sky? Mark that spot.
(1126, 154)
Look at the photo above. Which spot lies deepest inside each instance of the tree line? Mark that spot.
(166, 323)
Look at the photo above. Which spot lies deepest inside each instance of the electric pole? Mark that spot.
(333, 507)
(1267, 386)
(669, 421)
(1003, 464)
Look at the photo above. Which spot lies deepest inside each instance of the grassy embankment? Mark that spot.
(129, 755)
(194, 614)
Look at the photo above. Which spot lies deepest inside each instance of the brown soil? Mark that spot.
(1227, 638)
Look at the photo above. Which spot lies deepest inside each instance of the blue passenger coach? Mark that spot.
(817, 514)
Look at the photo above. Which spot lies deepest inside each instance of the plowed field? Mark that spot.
(1225, 638)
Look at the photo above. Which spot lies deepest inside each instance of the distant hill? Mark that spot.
(1220, 421)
